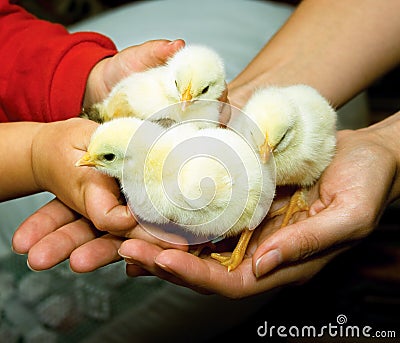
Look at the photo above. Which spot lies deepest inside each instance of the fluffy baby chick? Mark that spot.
(299, 126)
(194, 73)
(210, 182)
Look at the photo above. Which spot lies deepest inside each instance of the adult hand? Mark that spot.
(353, 192)
(346, 205)
(55, 233)
(106, 74)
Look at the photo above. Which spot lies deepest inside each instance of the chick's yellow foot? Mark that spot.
(278, 212)
(198, 249)
(236, 257)
(297, 203)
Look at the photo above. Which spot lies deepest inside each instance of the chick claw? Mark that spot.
(236, 257)
(297, 203)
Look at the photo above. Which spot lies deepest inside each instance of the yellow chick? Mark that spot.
(209, 182)
(299, 126)
(194, 73)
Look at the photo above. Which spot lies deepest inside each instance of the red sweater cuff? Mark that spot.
(68, 84)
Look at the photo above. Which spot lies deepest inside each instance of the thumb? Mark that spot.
(147, 55)
(303, 239)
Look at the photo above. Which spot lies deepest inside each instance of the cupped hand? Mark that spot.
(346, 205)
(353, 192)
(205, 275)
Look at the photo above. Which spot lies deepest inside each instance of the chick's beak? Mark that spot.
(86, 160)
(186, 97)
(266, 150)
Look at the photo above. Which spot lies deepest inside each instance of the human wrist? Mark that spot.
(386, 133)
(96, 88)
(17, 163)
(33, 186)
(37, 156)
(242, 88)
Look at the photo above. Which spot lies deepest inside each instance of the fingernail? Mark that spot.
(267, 262)
(162, 265)
(29, 266)
(174, 41)
(127, 259)
(122, 254)
(17, 253)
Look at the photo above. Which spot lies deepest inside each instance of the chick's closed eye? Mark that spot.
(205, 90)
(299, 125)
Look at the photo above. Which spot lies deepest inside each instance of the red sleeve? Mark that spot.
(43, 68)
